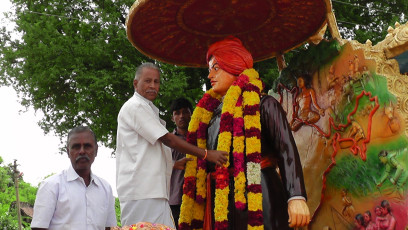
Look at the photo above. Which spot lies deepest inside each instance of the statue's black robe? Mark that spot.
(277, 144)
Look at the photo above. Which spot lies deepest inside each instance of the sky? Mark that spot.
(37, 154)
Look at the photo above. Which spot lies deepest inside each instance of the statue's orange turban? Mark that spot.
(231, 55)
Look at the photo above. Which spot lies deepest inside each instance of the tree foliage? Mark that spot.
(74, 63)
(8, 215)
(72, 60)
(368, 19)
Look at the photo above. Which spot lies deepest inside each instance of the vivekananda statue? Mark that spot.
(233, 116)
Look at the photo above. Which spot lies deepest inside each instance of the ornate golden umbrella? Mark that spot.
(180, 31)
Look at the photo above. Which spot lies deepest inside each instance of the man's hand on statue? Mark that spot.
(181, 164)
(299, 215)
(218, 157)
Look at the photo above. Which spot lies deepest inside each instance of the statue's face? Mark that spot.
(220, 79)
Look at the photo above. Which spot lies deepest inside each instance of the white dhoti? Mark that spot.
(147, 210)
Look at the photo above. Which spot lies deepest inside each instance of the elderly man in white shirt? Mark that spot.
(76, 198)
(143, 157)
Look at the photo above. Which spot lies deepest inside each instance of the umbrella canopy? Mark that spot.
(180, 31)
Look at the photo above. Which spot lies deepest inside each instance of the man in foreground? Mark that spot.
(76, 198)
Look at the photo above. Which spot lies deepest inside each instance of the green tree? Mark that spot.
(8, 216)
(117, 211)
(368, 19)
(72, 60)
(74, 63)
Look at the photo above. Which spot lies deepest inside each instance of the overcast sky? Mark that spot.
(37, 154)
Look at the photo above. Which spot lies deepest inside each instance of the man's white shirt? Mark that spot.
(64, 202)
(143, 164)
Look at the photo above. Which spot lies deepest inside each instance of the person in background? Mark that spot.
(181, 110)
(143, 156)
(76, 198)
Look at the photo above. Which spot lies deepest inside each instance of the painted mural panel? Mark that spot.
(345, 105)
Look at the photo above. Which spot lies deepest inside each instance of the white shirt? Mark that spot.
(143, 164)
(64, 202)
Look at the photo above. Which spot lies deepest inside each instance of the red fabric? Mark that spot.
(231, 55)
(207, 212)
(268, 162)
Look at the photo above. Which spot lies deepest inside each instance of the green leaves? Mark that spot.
(368, 19)
(8, 216)
(75, 64)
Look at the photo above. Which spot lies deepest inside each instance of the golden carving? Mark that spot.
(395, 43)
(400, 85)
(389, 67)
(331, 23)
(403, 104)
(334, 30)
(318, 37)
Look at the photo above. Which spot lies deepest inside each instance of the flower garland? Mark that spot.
(240, 128)
(195, 172)
(144, 226)
(252, 123)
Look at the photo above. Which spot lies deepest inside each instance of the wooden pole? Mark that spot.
(16, 176)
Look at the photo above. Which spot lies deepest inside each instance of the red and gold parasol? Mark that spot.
(180, 31)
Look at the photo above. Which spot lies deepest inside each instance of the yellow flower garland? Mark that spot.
(193, 211)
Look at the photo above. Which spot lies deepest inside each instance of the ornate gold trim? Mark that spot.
(394, 44)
